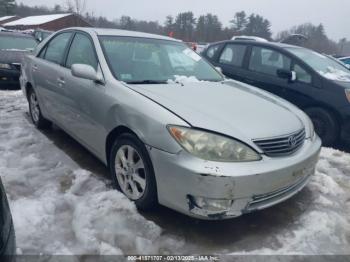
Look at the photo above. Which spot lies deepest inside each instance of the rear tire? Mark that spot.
(35, 112)
(132, 172)
(326, 125)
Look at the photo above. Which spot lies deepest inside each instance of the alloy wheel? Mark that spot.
(130, 172)
(34, 107)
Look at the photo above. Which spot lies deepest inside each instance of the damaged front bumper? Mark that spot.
(212, 190)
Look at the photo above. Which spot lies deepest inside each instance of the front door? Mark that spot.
(262, 70)
(85, 112)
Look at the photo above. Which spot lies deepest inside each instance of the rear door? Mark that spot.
(231, 60)
(46, 69)
(263, 63)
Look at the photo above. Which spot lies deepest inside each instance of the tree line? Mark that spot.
(187, 27)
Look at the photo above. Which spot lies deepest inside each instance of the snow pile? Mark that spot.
(183, 79)
(325, 226)
(335, 74)
(60, 208)
(57, 207)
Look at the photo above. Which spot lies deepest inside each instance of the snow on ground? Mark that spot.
(60, 208)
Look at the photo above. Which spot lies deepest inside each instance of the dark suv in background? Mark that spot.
(315, 83)
(13, 48)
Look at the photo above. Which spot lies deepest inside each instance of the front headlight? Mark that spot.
(347, 93)
(212, 147)
(5, 66)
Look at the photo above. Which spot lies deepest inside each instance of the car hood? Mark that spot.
(230, 108)
(12, 56)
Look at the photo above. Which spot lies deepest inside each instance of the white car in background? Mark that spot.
(249, 38)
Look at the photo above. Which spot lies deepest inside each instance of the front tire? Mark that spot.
(35, 112)
(326, 125)
(132, 171)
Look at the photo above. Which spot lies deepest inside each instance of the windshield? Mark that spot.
(324, 65)
(150, 61)
(17, 43)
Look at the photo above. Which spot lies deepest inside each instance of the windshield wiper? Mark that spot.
(147, 82)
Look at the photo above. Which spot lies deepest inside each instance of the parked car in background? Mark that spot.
(13, 47)
(201, 47)
(192, 45)
(345, 60)
(315, 83)
(334, 58)
(249, 38)
(40, 34)
(168, 125)
(7, 233)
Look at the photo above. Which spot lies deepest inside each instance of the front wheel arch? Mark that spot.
(113, 136)
(333, 123)
(149, 200)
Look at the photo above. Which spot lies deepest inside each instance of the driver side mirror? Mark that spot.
(287, 74)
(86, 72)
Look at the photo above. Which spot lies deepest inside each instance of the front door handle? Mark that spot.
(35, 68)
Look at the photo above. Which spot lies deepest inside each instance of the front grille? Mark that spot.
(283, 145)
(264, 200)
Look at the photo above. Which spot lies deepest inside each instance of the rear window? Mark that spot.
(17, 43)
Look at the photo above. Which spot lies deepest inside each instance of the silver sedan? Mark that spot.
(170, 128)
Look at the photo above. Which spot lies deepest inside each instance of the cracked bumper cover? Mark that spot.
(252, 185)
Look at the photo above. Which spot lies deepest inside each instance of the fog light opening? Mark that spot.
(209, 204)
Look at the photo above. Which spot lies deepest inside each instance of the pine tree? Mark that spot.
(7, 7)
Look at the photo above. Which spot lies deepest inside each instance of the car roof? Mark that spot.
(119, 32)
(260, 43)
(16, 34)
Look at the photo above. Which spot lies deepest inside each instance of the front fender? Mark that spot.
(147, 119)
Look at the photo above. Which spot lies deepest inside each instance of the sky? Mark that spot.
(283, 14)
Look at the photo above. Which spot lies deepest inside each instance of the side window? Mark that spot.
(42, 52)
(212, 51)
(302, 75)
(56, 48)
(233, 55)
(82, 52)
(268, 61)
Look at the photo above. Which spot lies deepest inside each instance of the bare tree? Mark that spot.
(76, 6)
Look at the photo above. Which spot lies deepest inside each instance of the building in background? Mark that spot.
(47, 22)
(7, 19)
